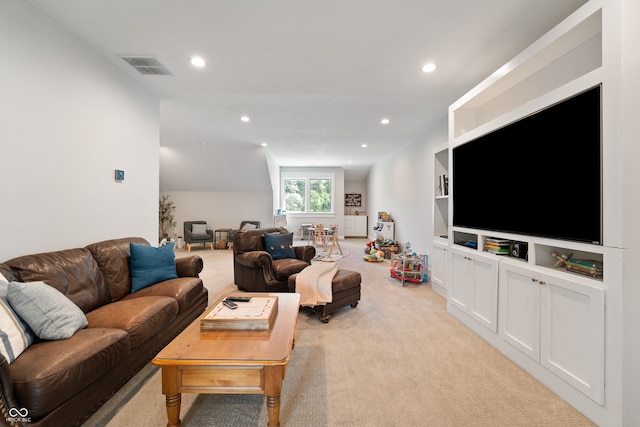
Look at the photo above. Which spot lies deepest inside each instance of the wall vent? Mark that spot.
(147, 65)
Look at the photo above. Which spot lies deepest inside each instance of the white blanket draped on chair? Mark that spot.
(314, 283)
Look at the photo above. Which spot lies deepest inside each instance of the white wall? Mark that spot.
(68, 119)
(220, 209)
(630, 134)
(402, 185)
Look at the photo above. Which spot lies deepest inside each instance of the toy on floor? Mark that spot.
(374, 256)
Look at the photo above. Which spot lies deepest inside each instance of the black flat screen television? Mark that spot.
(538, 176)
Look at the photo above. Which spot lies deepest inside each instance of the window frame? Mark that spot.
(308, 177)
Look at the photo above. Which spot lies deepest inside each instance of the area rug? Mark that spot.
(324, 256)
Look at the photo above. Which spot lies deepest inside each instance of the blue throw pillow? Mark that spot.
(279, 246)
(151, 265)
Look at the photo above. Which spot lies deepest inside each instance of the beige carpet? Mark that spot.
(398, 359)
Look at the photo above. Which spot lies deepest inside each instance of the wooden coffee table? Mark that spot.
(230, 361)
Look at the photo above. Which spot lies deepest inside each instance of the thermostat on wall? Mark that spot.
(119, 175)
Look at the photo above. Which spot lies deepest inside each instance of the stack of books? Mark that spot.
(587, 267)
(497, 246)
(443, 185)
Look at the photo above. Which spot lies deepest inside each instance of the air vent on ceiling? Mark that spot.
(147, 65)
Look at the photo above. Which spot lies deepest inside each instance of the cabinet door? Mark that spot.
(439, 265)
(520, 309)
(349, 226)
(460, 280)
(360, 226)
(572, 334)
(484, 291)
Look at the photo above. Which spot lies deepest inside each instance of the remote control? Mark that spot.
(232, 305)
(238, 299)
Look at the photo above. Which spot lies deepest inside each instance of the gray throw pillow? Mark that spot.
(49, 313)
(198, 228)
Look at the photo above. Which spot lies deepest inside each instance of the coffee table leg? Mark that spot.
(173, 410)
(173, 398)
(273, 376)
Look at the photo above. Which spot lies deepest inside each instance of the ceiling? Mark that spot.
(315, 77)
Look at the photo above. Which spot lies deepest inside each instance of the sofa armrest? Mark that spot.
(305, 253)
(7, 397)
(189, 266)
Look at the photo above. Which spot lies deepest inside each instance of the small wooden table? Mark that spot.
(230, 361)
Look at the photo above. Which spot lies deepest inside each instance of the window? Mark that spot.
(308, 193)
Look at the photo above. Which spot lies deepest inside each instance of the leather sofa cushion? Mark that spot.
(140, 317)
(113, 258)
(74, 272)
(51, 372)
(185, 290)
(283, 268)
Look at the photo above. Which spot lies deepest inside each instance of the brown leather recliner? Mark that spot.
(256, 271)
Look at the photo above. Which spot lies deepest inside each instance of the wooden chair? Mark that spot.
(320, 235)
(333, 237)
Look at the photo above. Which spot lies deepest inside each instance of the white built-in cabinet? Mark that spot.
(557, 322)
(355, 226)
(562, 327)
(474, 286)
(440, 219)
(438, 277)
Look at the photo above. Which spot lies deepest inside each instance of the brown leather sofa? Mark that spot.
(256, 271)
(63, 382)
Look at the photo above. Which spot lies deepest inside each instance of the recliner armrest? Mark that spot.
(305, 253)
(254, 259)
(258, 260)
(189, 266)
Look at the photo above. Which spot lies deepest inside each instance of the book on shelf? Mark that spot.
(498, 251)
(498, 241)
(587, 267)
(585, 272)
(257, 314)
(497, 246)
(443, 185)
(590, 263)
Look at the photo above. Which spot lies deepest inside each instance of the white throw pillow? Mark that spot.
(15, 335)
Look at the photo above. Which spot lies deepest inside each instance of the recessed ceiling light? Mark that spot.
(429, 67)
(264, 144)
(198, 61)
(244, 119)
(364, 145)
(384, 121)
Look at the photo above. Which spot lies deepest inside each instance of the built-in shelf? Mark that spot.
(569, 53)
